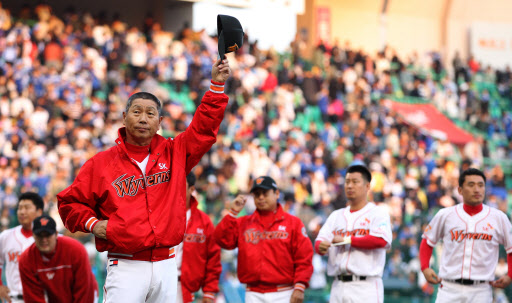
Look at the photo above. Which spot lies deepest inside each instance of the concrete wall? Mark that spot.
(464, 12)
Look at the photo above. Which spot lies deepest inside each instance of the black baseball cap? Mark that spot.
(230, 33)
(44, 223)
(264, 182)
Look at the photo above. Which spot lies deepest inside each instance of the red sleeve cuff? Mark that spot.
(299, 286)
(89, 225)
(317, 247)
(217, 83)
(233, 213)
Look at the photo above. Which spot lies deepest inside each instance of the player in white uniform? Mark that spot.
(14, 241)
(355, 239)
(471, 234)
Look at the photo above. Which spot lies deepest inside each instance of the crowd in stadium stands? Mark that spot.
(64, 81)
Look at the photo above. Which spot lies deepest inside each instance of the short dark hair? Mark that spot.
(146, 96)
(35, 198)
(470, 172)
(191, 179)
(363, 170)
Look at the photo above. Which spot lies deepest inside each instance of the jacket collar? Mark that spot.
(154, 146)
(278, 215)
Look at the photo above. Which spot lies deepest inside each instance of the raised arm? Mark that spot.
(226, 232)
(201, 134)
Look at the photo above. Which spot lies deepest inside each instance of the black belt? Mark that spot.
(18, 297)
(350, 278)
(467, 281)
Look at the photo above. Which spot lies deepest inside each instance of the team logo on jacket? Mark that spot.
(461, 235)
(130, 186)
(349, 233)
(254, 236)
(196, 238)
(50, 275)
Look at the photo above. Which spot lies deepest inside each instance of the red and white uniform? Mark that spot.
(200, 257)
(12, 243)
(66, 276)
(270, 260)
(471, 249)
(347, 260)
(146, 208)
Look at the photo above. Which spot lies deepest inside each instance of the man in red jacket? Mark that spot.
(132, 196)
(56, 267)
(274, 252)
(198, 256)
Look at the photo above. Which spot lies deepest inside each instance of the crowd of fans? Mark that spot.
(64, 81)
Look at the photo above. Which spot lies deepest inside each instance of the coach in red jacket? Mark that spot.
(132, 196)
(274, 252)
(56, 267)
(198, 256)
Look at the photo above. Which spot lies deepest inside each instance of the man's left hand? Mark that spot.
(297, 296)
(221, 71)
(502, 282)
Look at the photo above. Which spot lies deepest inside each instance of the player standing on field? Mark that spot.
(274, 252)
(355, 239)
(132, 196)
(471, 234)
(55, 268)
(198, 256)
(14, 241)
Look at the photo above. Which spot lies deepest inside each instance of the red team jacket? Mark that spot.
(148, 212)
(65, 277)
(279, 255)
(200, 265)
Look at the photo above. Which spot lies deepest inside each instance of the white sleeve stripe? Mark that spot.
(87, 225)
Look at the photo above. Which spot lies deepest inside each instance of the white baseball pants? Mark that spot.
(269, 297)
(133, 281)
(368, 291)
(449, 292)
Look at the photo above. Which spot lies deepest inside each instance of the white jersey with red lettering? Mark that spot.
(471, 243)
(370, 220)
(12, 244)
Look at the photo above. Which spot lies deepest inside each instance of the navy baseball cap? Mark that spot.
(44, 223)
(230, 33)
(264, 182)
